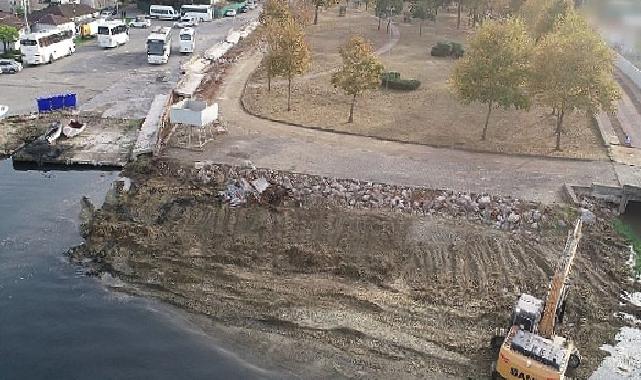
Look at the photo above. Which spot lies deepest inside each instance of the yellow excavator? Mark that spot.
(531, 350)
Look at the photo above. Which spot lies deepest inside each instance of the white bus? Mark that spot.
(112, 34)
(159, 45)
(187, 40)
(199, 12)
(163, 12)
(47, 46)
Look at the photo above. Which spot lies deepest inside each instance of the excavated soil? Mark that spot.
(339, 292)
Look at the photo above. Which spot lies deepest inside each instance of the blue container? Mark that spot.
(57, 102)
(70, 100)
(44, 104)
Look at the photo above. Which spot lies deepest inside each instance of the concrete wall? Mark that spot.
(629, 69)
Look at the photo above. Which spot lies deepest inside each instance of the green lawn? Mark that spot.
(626, 231)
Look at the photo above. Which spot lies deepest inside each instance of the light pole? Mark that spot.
(24, 12)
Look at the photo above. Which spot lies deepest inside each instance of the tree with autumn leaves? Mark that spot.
(495, 68)
(361, 70)
(568, 69)
(288, 53)
(572, 71)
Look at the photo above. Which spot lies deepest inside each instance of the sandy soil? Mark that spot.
(335, 292)
(430, 115)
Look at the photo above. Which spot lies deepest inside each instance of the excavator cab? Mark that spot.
(531, 350)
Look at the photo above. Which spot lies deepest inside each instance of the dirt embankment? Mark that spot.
(334, 291)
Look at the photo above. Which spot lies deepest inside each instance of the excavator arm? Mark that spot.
(559, 284)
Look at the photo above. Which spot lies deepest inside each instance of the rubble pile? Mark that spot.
(305, 190)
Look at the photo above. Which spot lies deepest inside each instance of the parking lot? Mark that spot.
(117, 82)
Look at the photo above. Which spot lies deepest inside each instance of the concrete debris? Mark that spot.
(260, 184)
(502, 212)
(587, 216)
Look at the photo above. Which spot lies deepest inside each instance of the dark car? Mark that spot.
(243, 9)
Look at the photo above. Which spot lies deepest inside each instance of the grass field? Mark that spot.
(430, 115)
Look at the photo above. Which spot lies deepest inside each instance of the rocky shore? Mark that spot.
(344, 278)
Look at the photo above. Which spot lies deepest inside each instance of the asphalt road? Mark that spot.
(117, 82)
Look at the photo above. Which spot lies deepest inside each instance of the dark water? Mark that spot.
(57, 324)
(632, 217)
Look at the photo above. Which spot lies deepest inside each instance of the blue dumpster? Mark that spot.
(70, 100)
(44, 104)
(57, 102)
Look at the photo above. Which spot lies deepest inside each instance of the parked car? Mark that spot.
(186, 22)
(251, 5)
(141, 21)
(230, 13)
(106, 12)
(243, 9)
(10, 66)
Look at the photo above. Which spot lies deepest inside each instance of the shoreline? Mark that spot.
(304, 274)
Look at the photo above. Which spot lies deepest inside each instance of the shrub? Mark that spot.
(390, 75)
(403, 84)
(442, 49)
(457, 50)
(11, 54)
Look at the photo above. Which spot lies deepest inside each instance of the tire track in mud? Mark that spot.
(421, 283)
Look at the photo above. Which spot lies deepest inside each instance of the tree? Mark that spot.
(388, 9)
(361, 70)
(274, 15)
(541, 15)
(321, 3)
(8, 34)
(572, 70)
(291, 55)
(495, 68)
(422, 10)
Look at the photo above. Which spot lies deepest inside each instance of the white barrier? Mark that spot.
(193, 112)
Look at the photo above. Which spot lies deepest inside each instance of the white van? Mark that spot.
(201, 13)
(163, 12)
(187, 40)
(112, 34)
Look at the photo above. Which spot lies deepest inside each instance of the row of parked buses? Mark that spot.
(200, 13)
(50, 45)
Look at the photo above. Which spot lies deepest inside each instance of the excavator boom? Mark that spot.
(560, 283)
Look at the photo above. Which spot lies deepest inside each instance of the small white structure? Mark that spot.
(194, 113)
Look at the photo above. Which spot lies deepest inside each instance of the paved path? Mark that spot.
(278, 146)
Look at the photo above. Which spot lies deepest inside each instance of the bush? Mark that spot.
(403, 84)
(390, 75)
(12, 54)
(445, 49)
(442, 49)
(457, 50)
(392, 80)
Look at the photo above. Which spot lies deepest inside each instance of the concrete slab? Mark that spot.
(104, 142)
(148, 136)
(626, 156)
(608, 134)
(628, 175)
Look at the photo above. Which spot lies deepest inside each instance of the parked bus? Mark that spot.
(47, 46)
(199, 12)
(112, 34)
(159, 45)
(163, 12)
(187, 40)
